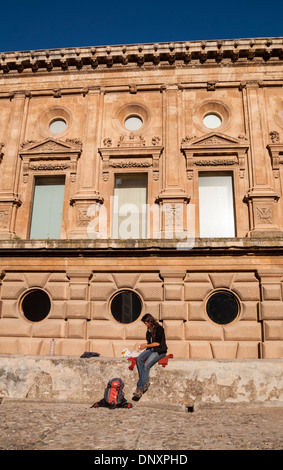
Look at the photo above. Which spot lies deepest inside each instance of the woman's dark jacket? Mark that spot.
(159, 337)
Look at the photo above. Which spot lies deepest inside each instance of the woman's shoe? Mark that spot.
(146, 387)
(137, 394)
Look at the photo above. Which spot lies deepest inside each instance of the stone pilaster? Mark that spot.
(10, 167)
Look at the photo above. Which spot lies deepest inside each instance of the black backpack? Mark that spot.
(113, 396)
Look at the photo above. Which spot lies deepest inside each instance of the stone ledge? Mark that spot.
(149, 246)
(183, 382)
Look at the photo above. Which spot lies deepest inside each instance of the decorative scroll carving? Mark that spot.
(49, 166)
(216, 162)
(129, 164)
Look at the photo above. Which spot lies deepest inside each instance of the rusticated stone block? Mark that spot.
(273, 330)
(197, 291)
(36, 279)
(9, 346)
(101, 291)
(248, 350)
(219, 280)
(153, 308)
(103, 329)
(272, 350)
(173, 292)
(72, 347)
(150, 287)
(200, 350)
(224, 349)
(49, 329)
(197, 277)
(243, 331)
(150, 291)
(15, 327)
(245, 277)
(202, 330)
(78, 292)
(173, 311)
(12, 290)
(102, 347)
(76, 328)
(124, 280)
(249, 311)
(78, 309)
(271, 310)
(136, 330)
(247, 290)
(196, 311)
(58, 290)
(14, 277)
(99, 311)
(271, 292)
(178, 348)
(29, 346)
(58, 309)
(174, 329)
(9, 309)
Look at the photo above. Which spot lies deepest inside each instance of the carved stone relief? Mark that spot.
(51, 155)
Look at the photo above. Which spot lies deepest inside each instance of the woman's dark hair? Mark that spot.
(152, 322)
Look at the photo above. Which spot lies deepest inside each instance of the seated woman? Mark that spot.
(153, 350)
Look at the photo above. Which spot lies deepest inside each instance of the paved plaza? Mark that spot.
(37, 425)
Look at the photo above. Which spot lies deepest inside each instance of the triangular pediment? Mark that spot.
(214, 139)
(51, 145)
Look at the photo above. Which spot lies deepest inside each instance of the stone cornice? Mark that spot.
(144, 248)
(156, 54)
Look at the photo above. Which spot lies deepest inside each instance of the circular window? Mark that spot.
(35, 305)
(126, 306)
(133, 123)
(212, 121)
(57, 126)
(222, 307)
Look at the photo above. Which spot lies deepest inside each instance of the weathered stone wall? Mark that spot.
(185, 382)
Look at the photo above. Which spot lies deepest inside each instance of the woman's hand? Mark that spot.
(142, 346)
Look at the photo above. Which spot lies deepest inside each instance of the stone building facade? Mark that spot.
(143, 178)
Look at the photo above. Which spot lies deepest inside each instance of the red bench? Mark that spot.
(163, 362)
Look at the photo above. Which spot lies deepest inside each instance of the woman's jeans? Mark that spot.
(145, 361)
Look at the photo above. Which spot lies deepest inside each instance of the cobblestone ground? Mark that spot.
(26, 425)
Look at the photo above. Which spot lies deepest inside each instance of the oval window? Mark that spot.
(212, 121)
(35, 305)
(133, 123)
(126, 306)
(222, 307)
(57, 126)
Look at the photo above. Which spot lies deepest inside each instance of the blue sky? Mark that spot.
(49, 24)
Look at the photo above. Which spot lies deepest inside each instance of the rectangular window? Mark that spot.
(47, 209)
(216, 205)
(129, 206)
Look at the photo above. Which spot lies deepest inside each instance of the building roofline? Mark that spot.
(154, 54)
